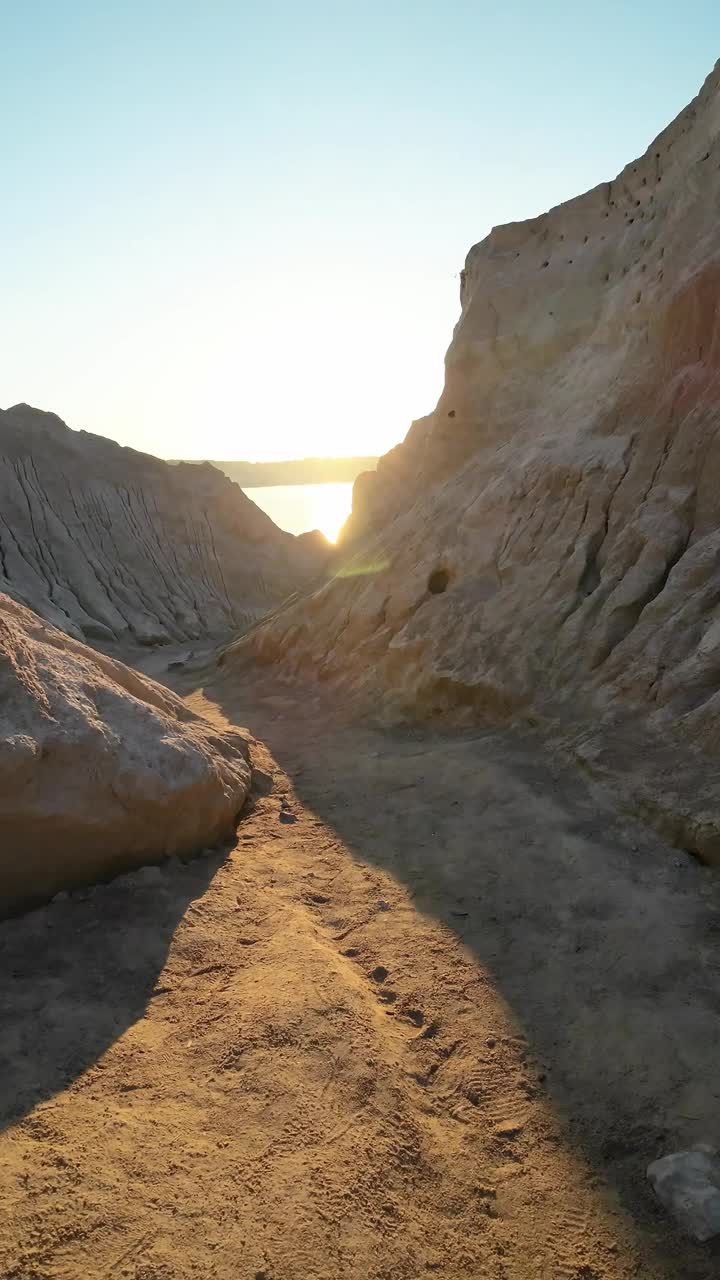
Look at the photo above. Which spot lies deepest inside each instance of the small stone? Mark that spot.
(286, 816)
(379, 973)
(148, 875)
(383, 905)
(687, 1183)
(509, 1129)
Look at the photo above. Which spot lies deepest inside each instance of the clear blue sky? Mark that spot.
(233, 229)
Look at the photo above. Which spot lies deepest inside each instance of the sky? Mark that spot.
(233, 229)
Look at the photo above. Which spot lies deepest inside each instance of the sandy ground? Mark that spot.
(432, 1015)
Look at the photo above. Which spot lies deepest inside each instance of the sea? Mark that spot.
(300, 507)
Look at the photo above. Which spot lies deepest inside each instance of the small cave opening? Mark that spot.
(438, 582)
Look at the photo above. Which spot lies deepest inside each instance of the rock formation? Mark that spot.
(100, 768)
(122, 549)
(547, 543)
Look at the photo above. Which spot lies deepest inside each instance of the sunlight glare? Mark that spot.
(302, 507)
(331, 509)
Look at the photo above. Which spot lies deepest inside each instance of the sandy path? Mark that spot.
(433, 1014)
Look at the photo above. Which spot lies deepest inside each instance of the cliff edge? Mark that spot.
(547, 543)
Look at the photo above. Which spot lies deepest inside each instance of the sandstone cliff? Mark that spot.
(547, 542)
(100, 768)
(120, 548)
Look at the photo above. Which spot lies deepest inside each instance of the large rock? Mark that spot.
(100, 768)
(547, 542)
(122, 549)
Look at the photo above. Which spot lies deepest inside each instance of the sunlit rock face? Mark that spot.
(120, 548)
(567, 484)
(101, 769)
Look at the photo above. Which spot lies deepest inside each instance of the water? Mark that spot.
(300, 507)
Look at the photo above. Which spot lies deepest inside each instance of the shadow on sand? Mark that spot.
(75, 975)
(603, 941)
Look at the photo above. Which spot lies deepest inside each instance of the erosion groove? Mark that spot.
(123, 549)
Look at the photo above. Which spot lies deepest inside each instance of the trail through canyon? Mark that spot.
(432, 1014)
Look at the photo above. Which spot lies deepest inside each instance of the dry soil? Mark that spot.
(432, 1014)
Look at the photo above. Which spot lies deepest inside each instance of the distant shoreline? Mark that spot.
(259, 475)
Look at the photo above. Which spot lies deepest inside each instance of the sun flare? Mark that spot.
(332, 507)
(299, 508)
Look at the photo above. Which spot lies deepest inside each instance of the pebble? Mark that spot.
(687, 1183)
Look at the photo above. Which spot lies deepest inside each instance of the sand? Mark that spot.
(432, 1014)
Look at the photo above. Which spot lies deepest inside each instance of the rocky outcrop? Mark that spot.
(547, 543)
(122, 549)
(100, 768)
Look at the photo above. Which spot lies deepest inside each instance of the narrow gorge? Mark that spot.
(361, 916)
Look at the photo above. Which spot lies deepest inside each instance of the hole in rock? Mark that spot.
(438, 582)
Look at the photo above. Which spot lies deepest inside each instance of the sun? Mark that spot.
(331, 507)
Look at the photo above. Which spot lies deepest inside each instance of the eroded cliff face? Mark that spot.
(547, 543)
(120, 548)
